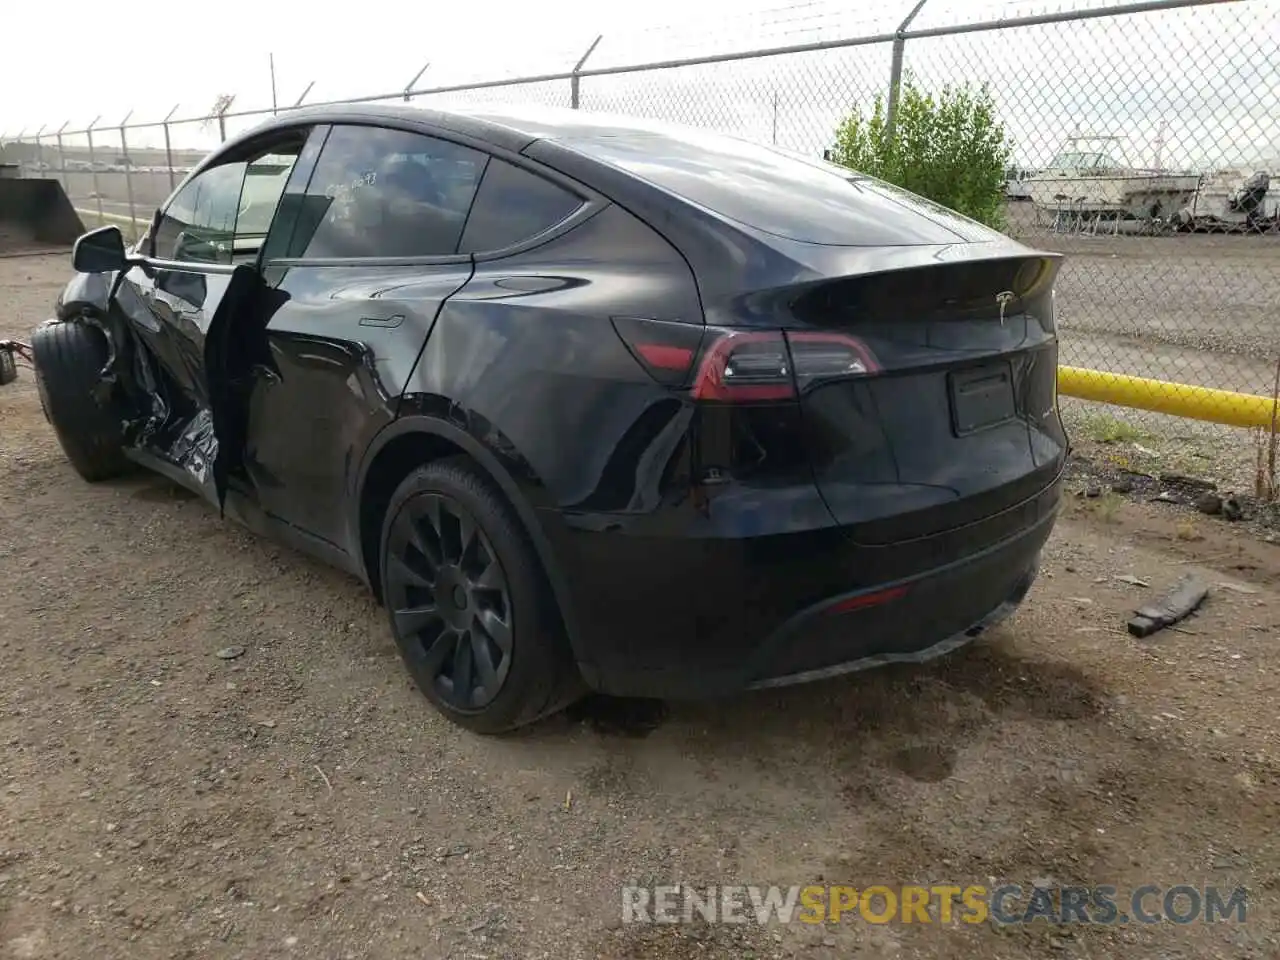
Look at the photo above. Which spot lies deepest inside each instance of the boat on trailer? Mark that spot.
(1090, 181)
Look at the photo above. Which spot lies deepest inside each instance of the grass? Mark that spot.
(1104, 428)
(1108, 505)
(1187, 530)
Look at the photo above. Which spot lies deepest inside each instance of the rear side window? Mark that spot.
(386, 193)
(791, 197)
(512, 206)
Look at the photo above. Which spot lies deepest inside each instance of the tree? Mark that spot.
(949, 148)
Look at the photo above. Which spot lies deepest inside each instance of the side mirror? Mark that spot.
(100, 251)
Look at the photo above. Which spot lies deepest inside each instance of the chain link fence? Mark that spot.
(1145, 145)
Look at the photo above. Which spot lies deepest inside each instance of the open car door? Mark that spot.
(199, 272)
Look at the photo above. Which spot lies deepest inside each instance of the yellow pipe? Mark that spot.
(1176, 399)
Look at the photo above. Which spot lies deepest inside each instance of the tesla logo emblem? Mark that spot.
(1004, 298)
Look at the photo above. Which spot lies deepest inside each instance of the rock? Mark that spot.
(1164, 496)
(230, 653)
(1231, 508)
(1093, 492)
(1122, 486)
(1209, 503)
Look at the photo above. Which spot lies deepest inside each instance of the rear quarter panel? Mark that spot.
(525, 358)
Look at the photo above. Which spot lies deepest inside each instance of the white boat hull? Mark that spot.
(1140, 196)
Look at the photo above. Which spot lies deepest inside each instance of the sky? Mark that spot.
(1199, 86)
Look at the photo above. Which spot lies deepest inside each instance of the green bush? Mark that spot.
(949, 148)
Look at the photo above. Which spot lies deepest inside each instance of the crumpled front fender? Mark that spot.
(85, 293)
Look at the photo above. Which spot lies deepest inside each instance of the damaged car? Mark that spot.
(588, 403)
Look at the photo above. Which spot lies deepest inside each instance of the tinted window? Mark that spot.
(387, 193)
(789, 196)
(514, 205)
(225, 212)
(291, 203)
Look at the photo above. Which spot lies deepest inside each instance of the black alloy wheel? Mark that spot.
(449, 598)
(469, 608)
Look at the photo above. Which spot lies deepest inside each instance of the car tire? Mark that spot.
(467, 598)
(8, 367)
(68, 359)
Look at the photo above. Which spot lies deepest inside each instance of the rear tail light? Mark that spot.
(818, 356)
(736, 366)
(744, 367)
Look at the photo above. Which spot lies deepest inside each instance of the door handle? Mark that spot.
(392, 321)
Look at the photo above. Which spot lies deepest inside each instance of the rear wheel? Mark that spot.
(68, 360)
(465, 595)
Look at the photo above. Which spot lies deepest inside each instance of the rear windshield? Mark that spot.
(780, 193)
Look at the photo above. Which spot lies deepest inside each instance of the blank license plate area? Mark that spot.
(981, 397)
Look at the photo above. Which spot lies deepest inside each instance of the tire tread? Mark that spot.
(69, 357)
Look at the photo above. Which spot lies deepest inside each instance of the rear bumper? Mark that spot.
(846, 639)
(683, 618)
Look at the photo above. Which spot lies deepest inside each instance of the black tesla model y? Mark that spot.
(589, 403)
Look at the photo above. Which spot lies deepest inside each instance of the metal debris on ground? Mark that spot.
(1238, 587)
(1177, 603)
(10, 351)
(1184, 480)
(1131, 579)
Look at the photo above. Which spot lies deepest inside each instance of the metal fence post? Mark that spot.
(408, 87)
(168, 147)
(62, 158)
(93, 168)
(575, 80)
(271, 59)
(40, 149)
(128, 170)
(895, 67)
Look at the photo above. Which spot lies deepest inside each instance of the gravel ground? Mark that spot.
(303, 800)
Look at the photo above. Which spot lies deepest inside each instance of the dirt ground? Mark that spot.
(303, 800)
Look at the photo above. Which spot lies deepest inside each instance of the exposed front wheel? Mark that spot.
(465, 595)
(69, 358)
